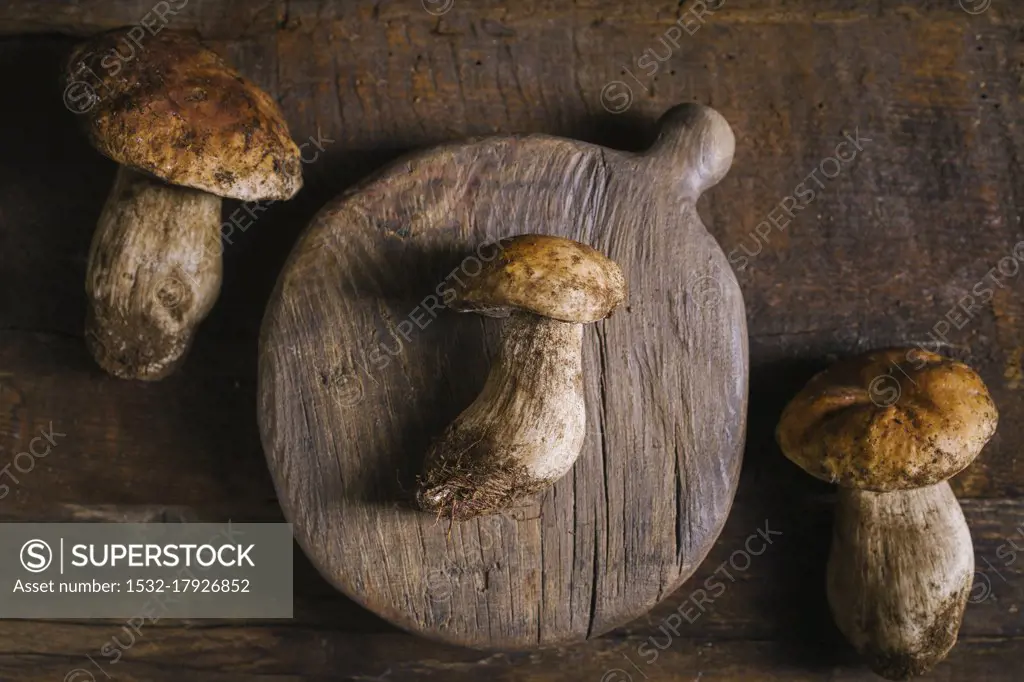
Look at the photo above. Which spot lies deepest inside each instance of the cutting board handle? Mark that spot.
(694, 147)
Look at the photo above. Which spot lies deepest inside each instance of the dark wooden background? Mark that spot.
(916, 221)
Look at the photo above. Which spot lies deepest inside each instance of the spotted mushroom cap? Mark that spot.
(549, 276)
(166, 105)
(888, 420)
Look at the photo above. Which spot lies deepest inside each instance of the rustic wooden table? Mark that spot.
(913, 236)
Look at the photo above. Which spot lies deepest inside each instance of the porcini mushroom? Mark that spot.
(526, 428)
(187, 129)
(890, 427)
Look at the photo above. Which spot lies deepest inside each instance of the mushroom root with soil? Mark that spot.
(187, 130)
(890, 427)
(526, 428)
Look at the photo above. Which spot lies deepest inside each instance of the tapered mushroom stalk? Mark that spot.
(890, 428)
(899, 575)
(526, 428)
(152, 274)
(187, 129)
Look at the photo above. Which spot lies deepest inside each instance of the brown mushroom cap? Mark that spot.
(888, 420)
(168, 106)
(549, 276)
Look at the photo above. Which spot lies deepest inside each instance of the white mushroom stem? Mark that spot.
(525, 429)
(154, 273)
(899, 575)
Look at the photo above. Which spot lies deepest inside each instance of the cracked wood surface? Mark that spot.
(359, 371)
(882, 255)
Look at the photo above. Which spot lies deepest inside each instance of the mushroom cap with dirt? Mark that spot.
(177, 111)
(549, 276)
(187, 129)
(889, 420)
(526, 428)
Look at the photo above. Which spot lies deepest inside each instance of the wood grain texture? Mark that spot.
(351, 392)
(269, 654)
(885, 252)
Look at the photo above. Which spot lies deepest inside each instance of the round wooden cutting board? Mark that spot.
(360, 369)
